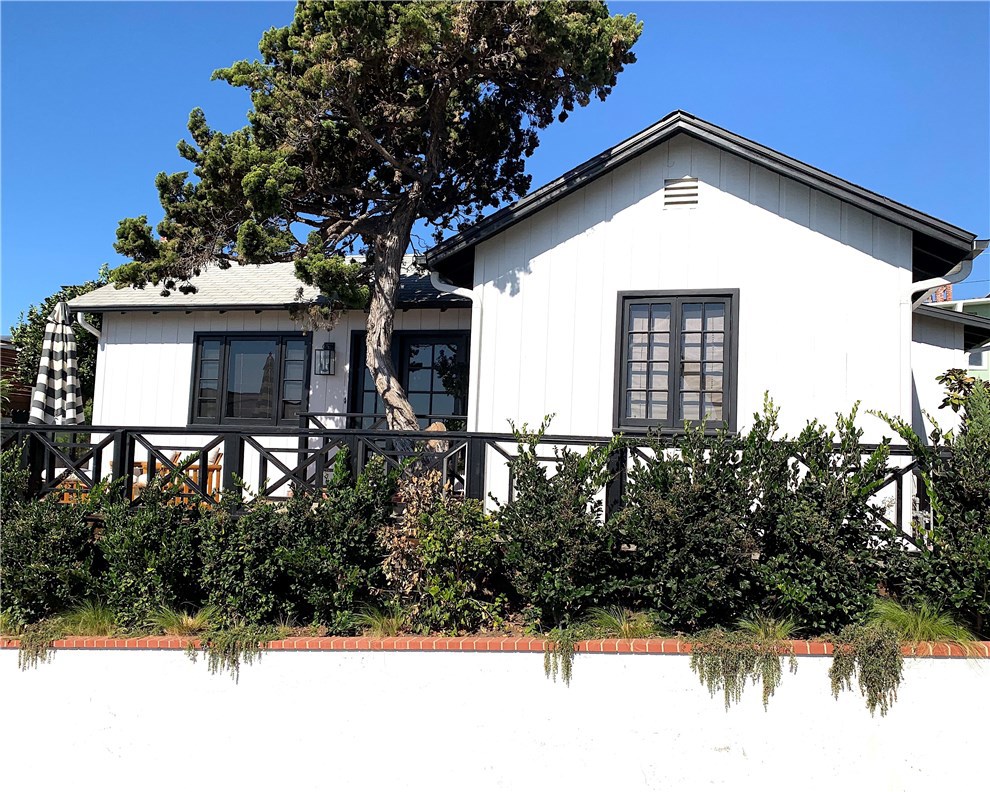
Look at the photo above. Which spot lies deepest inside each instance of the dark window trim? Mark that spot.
(731, 372)
(356, 367)
(281, 335)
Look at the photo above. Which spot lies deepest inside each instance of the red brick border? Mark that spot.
(412, 643)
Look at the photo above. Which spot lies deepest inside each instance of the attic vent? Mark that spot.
(680, 192)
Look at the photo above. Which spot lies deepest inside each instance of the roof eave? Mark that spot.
(681, 122)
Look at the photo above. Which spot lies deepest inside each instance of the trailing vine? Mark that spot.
(872, 653)
(226, 649)
(36, 642)
(726, 660)
(560, 646)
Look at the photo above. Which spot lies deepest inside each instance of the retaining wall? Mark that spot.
(454, 714)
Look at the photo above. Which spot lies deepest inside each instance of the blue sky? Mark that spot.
(892, 96)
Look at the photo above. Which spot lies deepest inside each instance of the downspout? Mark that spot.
(81, 321)
(450, 288)
(957, 274)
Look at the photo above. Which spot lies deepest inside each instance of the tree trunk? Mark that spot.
(389, 248)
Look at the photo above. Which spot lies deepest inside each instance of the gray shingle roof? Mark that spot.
(268, 286)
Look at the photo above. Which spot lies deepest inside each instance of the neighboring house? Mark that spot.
(681, 274)
(19, 394)
(978, 358)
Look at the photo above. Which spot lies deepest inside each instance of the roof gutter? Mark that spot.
(81, 321)
(957, 274)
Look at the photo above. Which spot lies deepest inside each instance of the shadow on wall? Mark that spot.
(574, 215)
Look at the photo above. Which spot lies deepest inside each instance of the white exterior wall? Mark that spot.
(144, 366)
(145, 361)
(936, 347)
(802, 261)
(152, 720)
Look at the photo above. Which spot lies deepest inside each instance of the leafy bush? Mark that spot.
(442, 559)
(732, 525)
(953, 565)
(463, 587)
(152, 555)
(824, 552)
(559, 555)
(50, 560)
(687, 522)
(13, 481)
(307, 559)
(338, 562)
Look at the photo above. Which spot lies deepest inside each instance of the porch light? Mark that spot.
(326, 359)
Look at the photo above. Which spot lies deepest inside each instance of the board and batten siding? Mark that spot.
(145, 361)
(144, 367)
(936, 347)
(822, 317)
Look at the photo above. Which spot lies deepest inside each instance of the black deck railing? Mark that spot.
(274, 462)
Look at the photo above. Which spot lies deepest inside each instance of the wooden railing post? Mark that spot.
(123, 461)
(616, 487)
(233, 461)
(34, 461)
(477, 450)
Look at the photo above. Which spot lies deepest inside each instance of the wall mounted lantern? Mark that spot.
(326, 359)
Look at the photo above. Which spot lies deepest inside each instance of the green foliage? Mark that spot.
(13, 482)
(959, 385)
(725, 661)
(50, 560)
(615, 622)
(226, 649)
(559, 555)
(151, 554)
(723, 525)
(953, 564)
(824, 552)
(872, 654)
(324, 149)
(28, 335)
(924, 622)
(384, 622)
(36, 642)
(462, 587)
(307, 559)
(180, 622)
(560, 647)
(9, 624)
(767, 628)
(688, 517)
(366, 118)
(91, 617)
(441, 557)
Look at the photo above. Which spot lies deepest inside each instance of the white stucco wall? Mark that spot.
(152, 720)
(821, 288)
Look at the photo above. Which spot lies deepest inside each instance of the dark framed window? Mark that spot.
(676, 354)
(432, 368)
(250, 378)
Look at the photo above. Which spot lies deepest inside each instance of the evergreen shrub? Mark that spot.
(560, 557)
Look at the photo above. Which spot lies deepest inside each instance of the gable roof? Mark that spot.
(938, 238)
(265, 287)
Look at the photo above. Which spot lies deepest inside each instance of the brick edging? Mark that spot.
(651, 646)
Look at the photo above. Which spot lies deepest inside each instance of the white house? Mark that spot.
(680, 274)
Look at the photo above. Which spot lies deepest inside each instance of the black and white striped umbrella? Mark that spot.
(56, 398)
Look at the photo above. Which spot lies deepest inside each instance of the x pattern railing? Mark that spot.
(275, 462)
